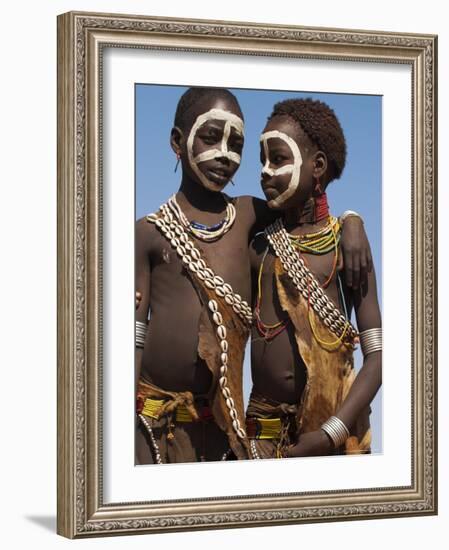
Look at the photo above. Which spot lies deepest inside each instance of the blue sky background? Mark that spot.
(359, 188)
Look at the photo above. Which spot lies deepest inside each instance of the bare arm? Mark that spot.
(356, 253)
(366, 383)
(142, 274)
(369, 378)
(262, 215)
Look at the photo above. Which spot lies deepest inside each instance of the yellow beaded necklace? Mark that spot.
(319, 242)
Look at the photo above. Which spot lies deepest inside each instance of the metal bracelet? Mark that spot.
(347, 214)
(336, 430)
(141, 333)
(371, 340)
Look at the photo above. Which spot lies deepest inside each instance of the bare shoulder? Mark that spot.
(255, 211)
(144, 227)
(248, 203)
(146, 234)
(243, 203)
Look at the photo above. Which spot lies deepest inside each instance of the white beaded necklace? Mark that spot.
(191, 258)
(200, 231)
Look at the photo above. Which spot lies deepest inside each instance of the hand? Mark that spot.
(311, 444)
(138, 299)
(357, 260)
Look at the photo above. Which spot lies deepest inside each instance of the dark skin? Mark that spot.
(169, 358)
(278, 371)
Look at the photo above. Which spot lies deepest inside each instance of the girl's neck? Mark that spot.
(197, 196)
(311, 212)
(301, 214)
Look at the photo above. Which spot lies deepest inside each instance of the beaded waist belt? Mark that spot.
(152, 406)
(263, 428)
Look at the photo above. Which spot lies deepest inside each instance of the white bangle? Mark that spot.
(371, 340)
(347, 214)
(141, 333)
(336, 430)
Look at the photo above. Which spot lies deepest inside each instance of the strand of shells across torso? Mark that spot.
(192, 260)
(306, 283)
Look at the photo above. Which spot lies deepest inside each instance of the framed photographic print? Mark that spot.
(155, 118)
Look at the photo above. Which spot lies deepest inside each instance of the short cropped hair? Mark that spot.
(321, 125)
(183, 115)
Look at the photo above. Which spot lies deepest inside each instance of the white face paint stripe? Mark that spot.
(266, 167)
(231, 120)
(293, 169)
(287, 169)
(226, 134)
(216, 153)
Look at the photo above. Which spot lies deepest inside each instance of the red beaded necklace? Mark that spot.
(321, 208)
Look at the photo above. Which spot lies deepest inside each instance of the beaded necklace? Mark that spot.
(191, 258)
(321, 207)
(322, 242)
(331, 232)
(268, 332)
(207, 233)
(308, 286)
(318, 243)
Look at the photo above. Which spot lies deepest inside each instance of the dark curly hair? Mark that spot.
(183, 115)
(321, 125)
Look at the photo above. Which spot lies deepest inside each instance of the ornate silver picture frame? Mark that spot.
(83, 509)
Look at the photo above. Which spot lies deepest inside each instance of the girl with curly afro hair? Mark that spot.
(306, 398)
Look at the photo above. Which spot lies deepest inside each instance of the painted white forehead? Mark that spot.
(281, 135)
(220, 114)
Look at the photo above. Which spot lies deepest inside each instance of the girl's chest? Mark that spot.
(322, 269)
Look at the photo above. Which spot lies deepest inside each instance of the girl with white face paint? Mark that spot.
(193, 254)
(193, 274)
(292, 169)
(306, 399)
(231, 124)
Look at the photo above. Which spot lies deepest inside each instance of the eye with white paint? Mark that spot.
(232, 124)
(294, 169)
(210, 132)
